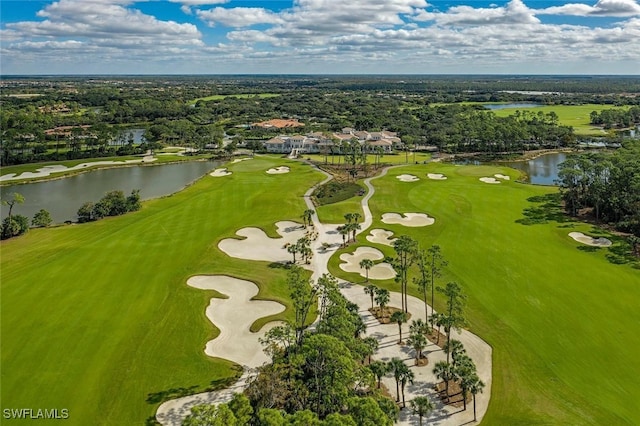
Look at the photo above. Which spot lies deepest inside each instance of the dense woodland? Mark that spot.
(98, 109)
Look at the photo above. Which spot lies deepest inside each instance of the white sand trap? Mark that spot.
(436, 176)
(380, 271)
(278, 170)
(234, 316)
(503, 177)
(381, 236)
(237, 160)
(57, 168)
(408, 219)
(407, 178)
(220, 172)
(489, 180)
(258, 246)
(590, 241)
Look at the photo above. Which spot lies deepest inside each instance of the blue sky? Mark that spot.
(319, 37)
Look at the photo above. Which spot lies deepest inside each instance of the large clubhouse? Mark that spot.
(319, 142)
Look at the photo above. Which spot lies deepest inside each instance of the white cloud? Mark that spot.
(238, 16)
(615, 8)
(514, 12)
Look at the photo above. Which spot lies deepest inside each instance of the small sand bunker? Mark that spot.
(489, 180)
(237, 160)
(503, 177)
(278, 170)
(379, 271)
(407, 178)
(258, 246)
(220, 172)
(408, 219)
(436, 176)
(381, 236)
(234, 316)
(590, 241)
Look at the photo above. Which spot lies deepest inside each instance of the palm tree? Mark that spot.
(437, 263)
(379, 369)
(455, 303)
(418, 342)
(398, 368)
(399, 317)
(405, 248)
(418, 326)
(467, 377)
(382, 298)
(444, 371)
(370, 344)
(293, 249)
(371, 291)
(457, 350)
(438, 320)
(354, 227)
(344, 231)
(356, 216)
(422, 407)
(307, 217)
(407, 376)
(348, 217)
(475, 387)
(366, 264)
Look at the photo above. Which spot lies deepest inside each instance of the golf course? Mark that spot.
(98, 318)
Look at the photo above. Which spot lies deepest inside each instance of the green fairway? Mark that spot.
(98, 319)
(396, 158)
(238, 96)
(561, 318)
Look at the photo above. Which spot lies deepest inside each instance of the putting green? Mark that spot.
(562, 320)
(97, 318)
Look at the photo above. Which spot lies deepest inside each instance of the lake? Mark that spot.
(542, 170)
(63, 197)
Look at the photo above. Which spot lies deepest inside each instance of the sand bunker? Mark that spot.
(380, 271)
(278, 170)
(503, 177)
(258, 246)
(436, 176)
(590, 241)
(57, 168)
(237, 160)
(220, 172)
(234, 316)
(489, 180)
(408, 219)
(407, 178)
(381, 236)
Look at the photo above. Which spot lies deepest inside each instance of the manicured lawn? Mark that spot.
(97, 318)
(562, 319)
(396, 158)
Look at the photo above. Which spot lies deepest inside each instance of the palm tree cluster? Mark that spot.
(349, 229)
(461, 370)
(303, 247)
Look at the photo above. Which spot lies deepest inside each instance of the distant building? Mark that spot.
(317, 142)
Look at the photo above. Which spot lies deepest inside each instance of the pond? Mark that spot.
(542, 170)
(63, 197)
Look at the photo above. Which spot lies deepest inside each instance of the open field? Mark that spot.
(560, 316)
(399, 158)
(238, 96)
(98, 318)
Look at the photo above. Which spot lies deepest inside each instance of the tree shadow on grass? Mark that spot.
(546, 208)
(173, 393)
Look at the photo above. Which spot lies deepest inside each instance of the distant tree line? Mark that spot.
(616, 118)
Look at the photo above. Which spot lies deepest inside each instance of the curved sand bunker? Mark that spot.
(408, 219)
(278, 170)
(407, 178)
(234, 316)
(489, 180)
(259, 246)
(503, 177)
(237, 160)
(57, 168)
(220, 172)
(379, 271)
(590, 241)
(381, 236)
(436, 176)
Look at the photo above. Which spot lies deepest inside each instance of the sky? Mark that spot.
(319, 37)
